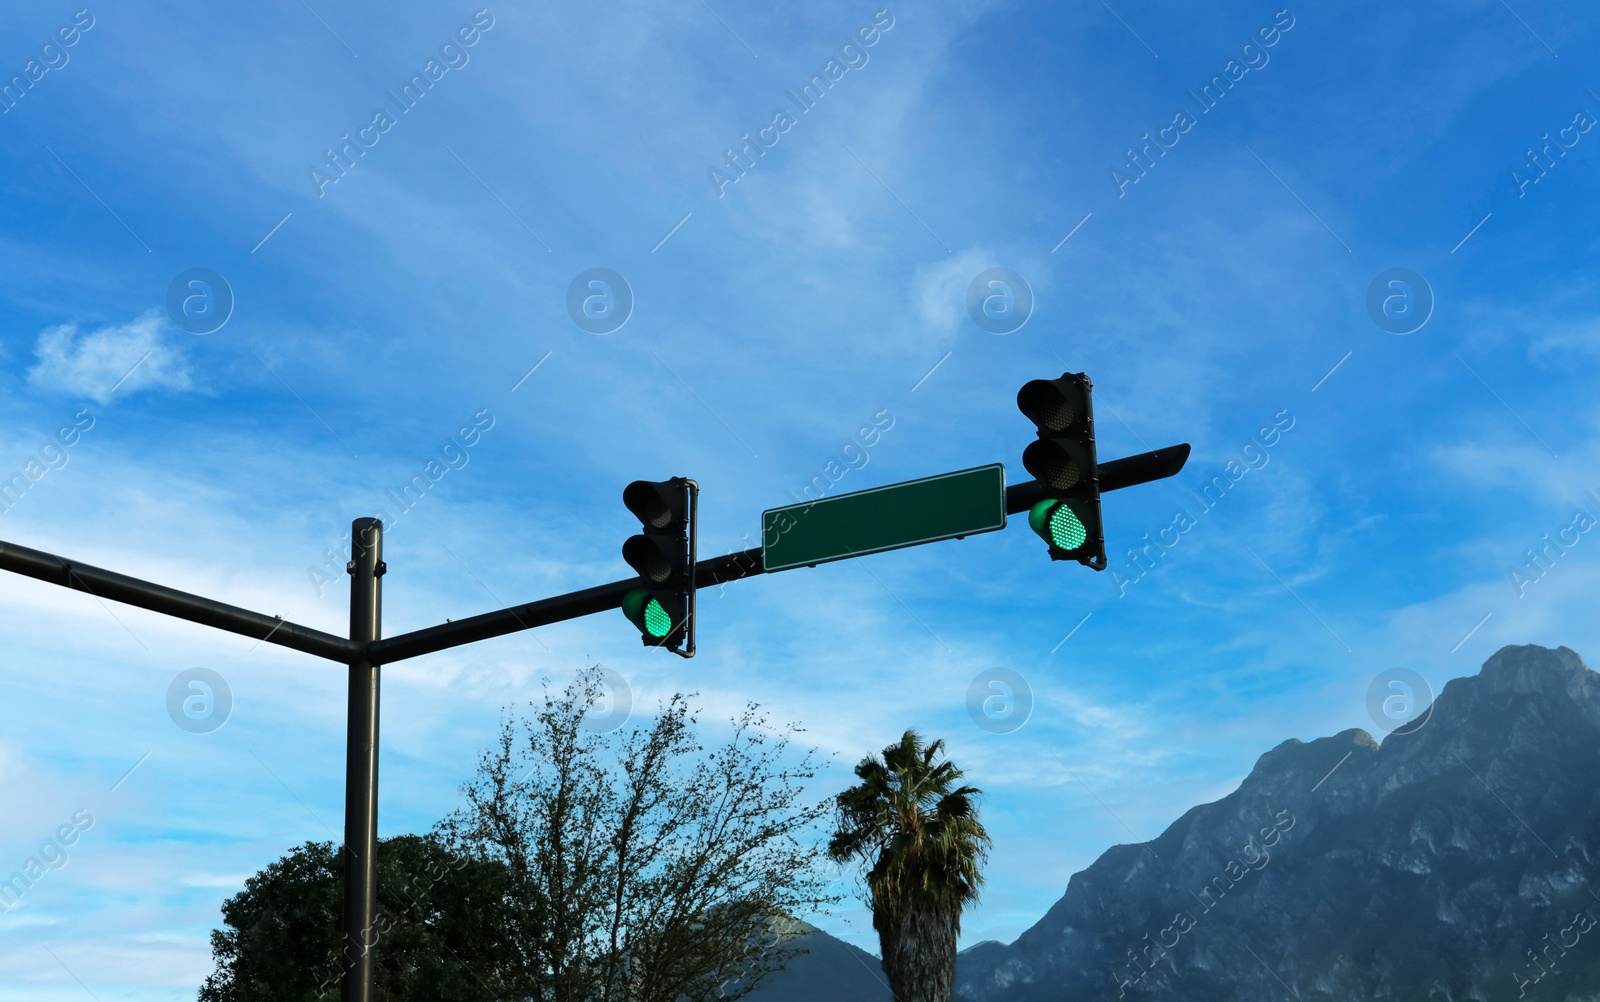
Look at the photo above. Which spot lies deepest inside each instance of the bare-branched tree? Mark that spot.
(645, 866)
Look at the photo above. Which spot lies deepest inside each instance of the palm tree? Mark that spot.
(919, 833)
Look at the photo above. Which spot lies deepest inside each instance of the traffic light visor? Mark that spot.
(1059, 464)
(1053, 404)
(660, 505)
(647, 556)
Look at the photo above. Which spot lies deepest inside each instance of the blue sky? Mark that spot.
(1223, 290)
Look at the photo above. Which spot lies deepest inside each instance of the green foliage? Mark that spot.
(586, 866)
(439, 916)
(654, 868)
(919, 834)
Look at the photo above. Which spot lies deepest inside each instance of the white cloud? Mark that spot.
(11, 758)
(1564, 339)
(119, 358)
(1509, 457)
(939, 291)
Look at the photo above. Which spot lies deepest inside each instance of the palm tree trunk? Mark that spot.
(919, 954)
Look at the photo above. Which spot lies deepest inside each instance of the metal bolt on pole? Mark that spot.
(361, 764)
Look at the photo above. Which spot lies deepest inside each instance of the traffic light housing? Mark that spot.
(664, 556)
(1063, 460)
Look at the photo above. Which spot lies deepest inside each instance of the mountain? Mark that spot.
(830, 971)
(1453, 862)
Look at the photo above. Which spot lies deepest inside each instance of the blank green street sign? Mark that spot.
(884, 518)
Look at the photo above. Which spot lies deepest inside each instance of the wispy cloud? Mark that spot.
(939, 291)
(1499, 456)
(120, 358)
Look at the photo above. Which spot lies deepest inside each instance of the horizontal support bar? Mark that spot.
(105, 584)
(1130, 471)
(171, 602)
(1114, 475)
(600, 598)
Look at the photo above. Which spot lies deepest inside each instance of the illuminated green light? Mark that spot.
(1066, 532)
(647, 613)
(1058, 524)
(656, 621)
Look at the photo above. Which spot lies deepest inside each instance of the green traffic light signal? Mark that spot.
(1064, 524)
(647, 613)
(1063, 460)
(664, 556)
(1057, 524)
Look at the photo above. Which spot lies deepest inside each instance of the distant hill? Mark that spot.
(832, 971)
(1457, 862)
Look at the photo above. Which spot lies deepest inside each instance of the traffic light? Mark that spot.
(664, 555)
(1063, 461)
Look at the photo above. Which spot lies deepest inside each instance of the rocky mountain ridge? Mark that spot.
(1458, 860)
(1453, 862)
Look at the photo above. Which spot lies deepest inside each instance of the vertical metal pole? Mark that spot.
(694, 542)
(361, 766)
